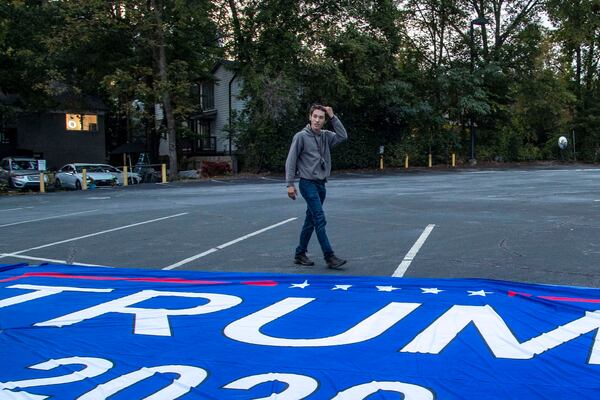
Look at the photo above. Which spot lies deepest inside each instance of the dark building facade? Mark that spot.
(62, 137)
(72, 132)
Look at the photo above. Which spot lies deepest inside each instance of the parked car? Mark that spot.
(133, 178)
(21, 172)
(70, 176)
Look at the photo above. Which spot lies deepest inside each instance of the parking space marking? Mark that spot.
(90, 235)
(222, 246)
(20, 256)
(44, 219)
(14, 209)
(264, 178)
(401, 270)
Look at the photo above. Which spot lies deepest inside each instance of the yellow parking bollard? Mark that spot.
(164, 173)
(125, 176)
(42, 187)
(406, 161)
(453, 160)
(381, 162)
(84, 179)
(430, 163)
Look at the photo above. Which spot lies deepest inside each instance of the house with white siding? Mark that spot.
(220, 101)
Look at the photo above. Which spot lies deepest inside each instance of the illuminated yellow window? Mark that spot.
(82, 122)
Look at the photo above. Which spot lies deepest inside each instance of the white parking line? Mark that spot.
(89, 235)
(44, 219)
(361, 175)
(53, 261)
(401, 270)
(264, 178)
(14, 209)
(222, 246)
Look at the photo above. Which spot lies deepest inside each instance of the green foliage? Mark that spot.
(407, 75)
(110, 50)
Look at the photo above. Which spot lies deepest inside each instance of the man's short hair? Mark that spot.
(317, 107)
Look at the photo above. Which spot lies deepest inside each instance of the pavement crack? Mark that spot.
(504, 247)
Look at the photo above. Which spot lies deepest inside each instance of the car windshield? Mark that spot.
(27, 165)
(89, 168)
(109, 168)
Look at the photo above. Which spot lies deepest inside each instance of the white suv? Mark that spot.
(21, 172)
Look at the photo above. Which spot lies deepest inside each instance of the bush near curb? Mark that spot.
(213, 168)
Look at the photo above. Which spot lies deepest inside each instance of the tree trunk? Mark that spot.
(240, 40)
(161, 61)
(578, 70)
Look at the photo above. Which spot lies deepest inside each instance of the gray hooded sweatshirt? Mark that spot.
(309, 155)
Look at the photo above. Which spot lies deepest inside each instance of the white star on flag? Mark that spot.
(431, 290)
(341, 287)
(478, 293)
(386, 288)
(300, 285)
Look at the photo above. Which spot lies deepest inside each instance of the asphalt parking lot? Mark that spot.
(530, 225)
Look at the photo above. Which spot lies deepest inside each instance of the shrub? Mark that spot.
(212, 168)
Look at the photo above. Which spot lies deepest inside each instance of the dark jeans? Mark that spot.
(314, 195)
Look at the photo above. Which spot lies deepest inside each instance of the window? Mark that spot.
(8, 136)
(24, 165)
(82, 122)
(4, 139)
(202, 128)
(207, 95)
(204, 140)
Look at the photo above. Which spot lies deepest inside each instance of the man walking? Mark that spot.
(310, 159)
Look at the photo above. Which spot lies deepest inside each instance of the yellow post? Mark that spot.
(430, 163)
(164, 173)
(84, 179)
(42, 187)
(406, 161)
(453, 160)
(125, 176)
(381, 162)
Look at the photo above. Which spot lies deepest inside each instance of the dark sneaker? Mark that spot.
(334, 263)
(302, 259)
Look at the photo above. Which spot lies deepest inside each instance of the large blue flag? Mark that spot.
(70, 332)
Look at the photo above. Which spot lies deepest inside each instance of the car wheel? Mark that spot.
(57, 184)
(77, 185)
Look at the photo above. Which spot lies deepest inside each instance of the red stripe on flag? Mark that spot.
(571, 299)
(555, 298)
(261, 283)
(513, 294)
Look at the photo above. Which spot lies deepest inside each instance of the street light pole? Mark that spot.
(472, 125)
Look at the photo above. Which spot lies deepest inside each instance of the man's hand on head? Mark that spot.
(329, 111)
(292, 193)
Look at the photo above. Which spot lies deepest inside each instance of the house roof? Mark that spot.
(229, 64)
(8, 99)
(71, 101)
(66, 100)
